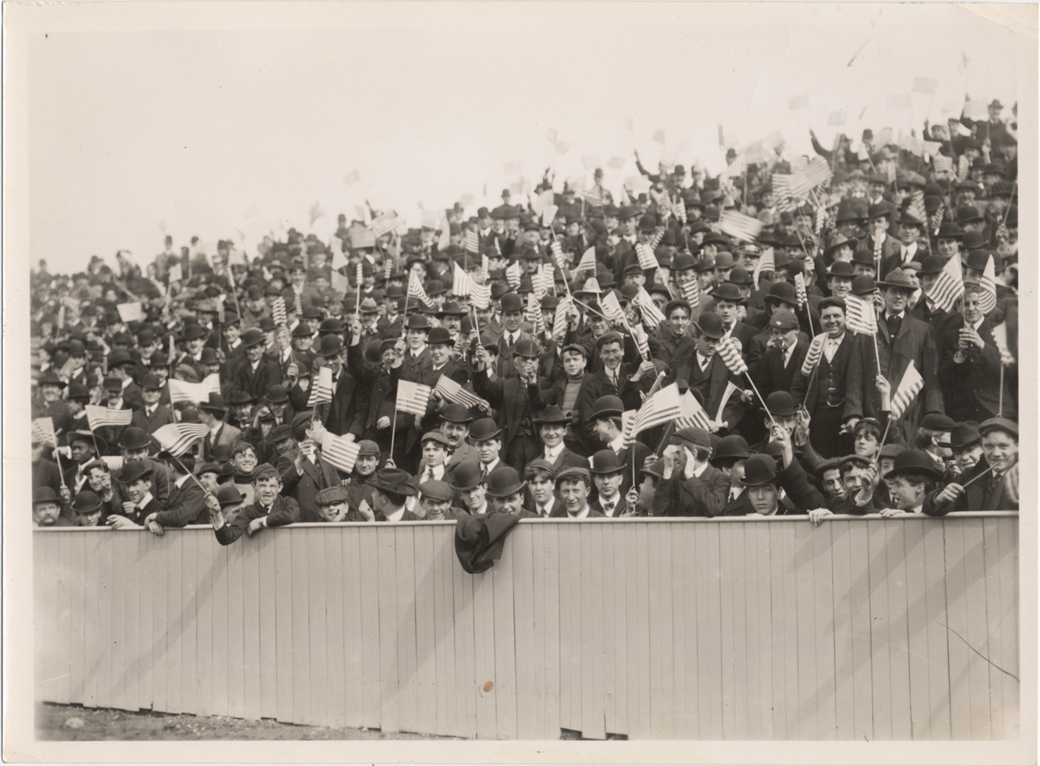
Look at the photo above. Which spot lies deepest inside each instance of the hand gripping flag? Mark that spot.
(645, 254)
(130, 312)
(176, 438)
(739, 225)
(339, 451)
(43, 432)
(652, 316)
(448, 389)
(412, 397)
(321, 390)
(278, 311)
(909, 387)
(948, 286)
(999, 338)
(988, 294)
(693, 414)
(183, 391)
(663, 407)
(814, 354)
(587, 262)
(860, 315)
(730, 354)
(99, 417)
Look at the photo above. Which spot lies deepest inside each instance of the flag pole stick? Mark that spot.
(755, 388)
(976, 478)
(667, 433)
(192, 475)
(1000, 394)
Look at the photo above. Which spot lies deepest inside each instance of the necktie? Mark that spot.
(483, 471)
(893, 323)
(543, 510)
(608, 509)
(429, 474)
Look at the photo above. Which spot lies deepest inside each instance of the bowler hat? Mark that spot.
(238, 397)
(897, 279)
(279, 433)
(86, 503)
(86, 436)
(484, 430)
(780, 404)
(604, 462)
(727, 292)
(440, 335)
(228, 495)
(134, 470)
(552, 415)
(783, 292)
(733, 447)
(964, 435)
(607, 406)
(50, 378)
(45, 495)
(276, 395)
(134, 438)
(330, 345)
(863, 285)
(214, 405)
(417, 322)
(759, 470)
(252, 337)
(504, 481)
(467, 476)
(456, 413)
(710, 325)
(527, 349)
(914, 461)
(393, 481)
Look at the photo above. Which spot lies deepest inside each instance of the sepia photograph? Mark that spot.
(506, 381)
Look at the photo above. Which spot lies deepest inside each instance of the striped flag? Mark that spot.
(766, 263)
(114, 462)
(415, 289)
(338, 259)
(338, 282)
(61, 317)
(663, 407)
(948, 286)
(480, 296)
(359, 276)
(430, 219)
(988, 295)
(693, 414)
(691, 291)
(448, 389)
(739, 225)
(176, 273)
(916, 207)
(321, 389)
(799, 289)
(514, 274)
(388, 267)
(642, 340)
(909, 387)
(942, 164)
(177, 438)
(612, 308)
(646, 257)
(298, 302)
(999, 338)
(820, 220)
(534, 312)
(937, 218)
(471, 243)
(130, 312)
(652, 315)
(560, 318)
(726, 395)
(860, 316)
(814, 354)
(43, 432)
(412, 397)
(731, 356)
(385, 223)
(549, 214)
(542, 280)
(679, 208)
(278, 311)
(485, 268)
(67, 369)
(587, 262)
(99, 417)
(461, 282)
(183, 391)
(339, 451)
(558, 256)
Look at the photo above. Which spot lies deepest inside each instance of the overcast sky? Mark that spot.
(239, 130)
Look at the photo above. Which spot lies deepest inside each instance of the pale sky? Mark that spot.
(241, 127)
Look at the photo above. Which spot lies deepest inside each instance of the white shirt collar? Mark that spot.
(180, 482)
(552, 454)
(144, 500)
(481, 510)
(491, 466)
(396, 515)
(548, 507)
(612, 504)
(618, 443)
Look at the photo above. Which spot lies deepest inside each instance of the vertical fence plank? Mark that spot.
(956, 625)
(859, 615)
(709, 691)
(172, 544)
(111, 587)
(618, 553)
(570, 639)
(261, 627)
(655, 596)
(484, 642)
(425, 634)
(823, 577)
(880, 615)
(552, 629)
(975, 602)
(778, 637)
(303, 696)
(898, 633)
(335, 635)
(283, 575)
(505, 645)
(607, 624)
(205, 573)
(160, 626)
(42, 632)
(407, 689)
(938, 651)
(792, 613)
(765, 630)
(642, 617)
(444, 627)
(371, 645)
(733, 568)
(222, 651)
(236, 641)
(633, 599)
(146, 621)
(805, 595)
(663, 558)
(677, 588)
(749, 564)
(134, 618)
(917, 628)
(77, 623)
(63, 627)
(356, 647)
(691, 636)
(389, 711)
(189, 606)
(316, 603)
(727, 635)
(543, 728)
(527, 655)
(591, 611)
(1009, 682)
(465, 651)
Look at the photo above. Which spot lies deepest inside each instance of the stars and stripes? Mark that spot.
(691, 291)
(415, 288)
(909, 387)
(471, 242)
(791, 188)
(916, 207)
(814, 354)
(175, 274)
(558, 256)
(652, 315)
(645, 254)
(642, 340)
(766, 264)
(278, 310)
(463, 285)
(339, 451)
(611, 308)
(988, 282)
(738, 225)
(183, 391)
(727, 349)
(388, 267)
(948, 286)
(800, 291)
(451, 391)
(560, 318)
(693, 414)
(384, 224)
(587, 262)
(177, 438)
(663, 407)
(534, 313)
(999, 339)
(860, 316)
(99, 417)
(513, 275)
(549, 215)
(130, 312)
(412, 397)
(43, 432)
(542, 280)
(321, 389)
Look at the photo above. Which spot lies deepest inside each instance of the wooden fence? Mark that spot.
(687, 629)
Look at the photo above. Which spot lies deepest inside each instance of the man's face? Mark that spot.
(162, 372)
(365, 465)
(231, 333)
(209, 481)
(81, 451)
(573, 363)
(783, 339)
(597, 324)
(763, 499)
(610, 354)
(434, 453)
(967, 458)
(50, 393)
(267, 489)
(113, 396)
(435, 509)
(452, 323)
(948, 248)
(574, 495)
(1000, 449)
(88, 519)
(706, 346)
(46, 514)
(473, 498)
(832, 485)
(138, 489)
(334, 512)
(840, 286)
(416, 339)
(241, 412)
(628, 226)
(440, 353)
(514, 503)
(456, 432)
(488, 450)
(679, 321)
(254, 353)
(607, 484)
(832, 319)
(865, 444)
(908, 233)
(603, 429)
(244, 461)
(541, 488)
(875, 189)
(972, 312)
(552, 434)
(787, 423)
(905, 494)
(896, 299)
(99, 480)
(151, 396)
(285, 446)
(727, 310)
(706, 280)
(511, 320)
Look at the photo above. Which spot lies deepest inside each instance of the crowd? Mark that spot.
(842, 332)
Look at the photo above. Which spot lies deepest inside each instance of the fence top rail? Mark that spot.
(633, 520)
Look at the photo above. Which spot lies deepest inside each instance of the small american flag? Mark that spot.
(988, 294)
(558, 256)
(731, 356)
(359, 276)
(67, 369)
(549, 214)
(799, 289)
(534, 312)
(999, 338)
(43, 432)
(693, 414)
(415, 289)
(909, 387)
(612, 308)
(339, 451)
(814, 354)
(645, 255)
(461, 282)
(942, 164)
(739, 225)
(692, 293)
(485, 268)
(937, 217)
(388, 266)
(480, 296)
(130, 312)
(114, 462)
(679, 207)
(587, 262)
(513, 274)
(278, 310)
(412, 397)
(338, 282)
(663, 407)
(821, 219)
(61, 316)
(298, 302)
(916, 207)
(652, 316)
(99, 417)
(430, 219)
(860, 315)
(321, 391)
(384, 224)
(183, 391)
(451, 391)
(560, 318)
(542, 280)
(948, 285)
(642, 341)
(471, 242)
(177, 438)
(766, 263)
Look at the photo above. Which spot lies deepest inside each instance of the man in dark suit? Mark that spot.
(211, 415)
(831, 389)
(345, 414)
(910, 230)
(136, 446)
(776, 368)
(187, 503)
(152, 415)
(607, 477)
(706, 373)
(511, 335)
(606, 427)
(879, 216)
(256, 375)
(439, 362)
(990, 491)
(510, 397)
(552, 427)
(271, 508)
(690, 485)
(380, 380)
(727, 305)
(615, 378)
(305, 472)
(573, 487)
(970, 363)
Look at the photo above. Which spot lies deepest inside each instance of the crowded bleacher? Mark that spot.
(798, 336)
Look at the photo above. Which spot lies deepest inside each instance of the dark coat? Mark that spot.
(268, 373)
(914, 341)
(304, 487)
(284, 511)
(187, 505)
(704, 495)
(975, 383)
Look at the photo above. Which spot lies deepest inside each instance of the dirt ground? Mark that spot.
(55, 722)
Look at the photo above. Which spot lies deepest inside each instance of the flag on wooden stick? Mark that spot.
(415, 289)
(727, 349)
(860, 316)
(766, 263)
(909, 387)
(278, 311)
(130, 312)
(99, 417)
(652, 316)
(988, 282)
(471, 242)
(448, 389)
(739, 225)
(183, 391)
(691, 291)
(43, 432)
(663, 407)
(341, 452)
(999, 338)
(645, 254)
(814, 354)
(948, 286)
(321, 389)
(412, 397)
(549, 214)
(177, 438)
(693, 414)
(587, 262)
